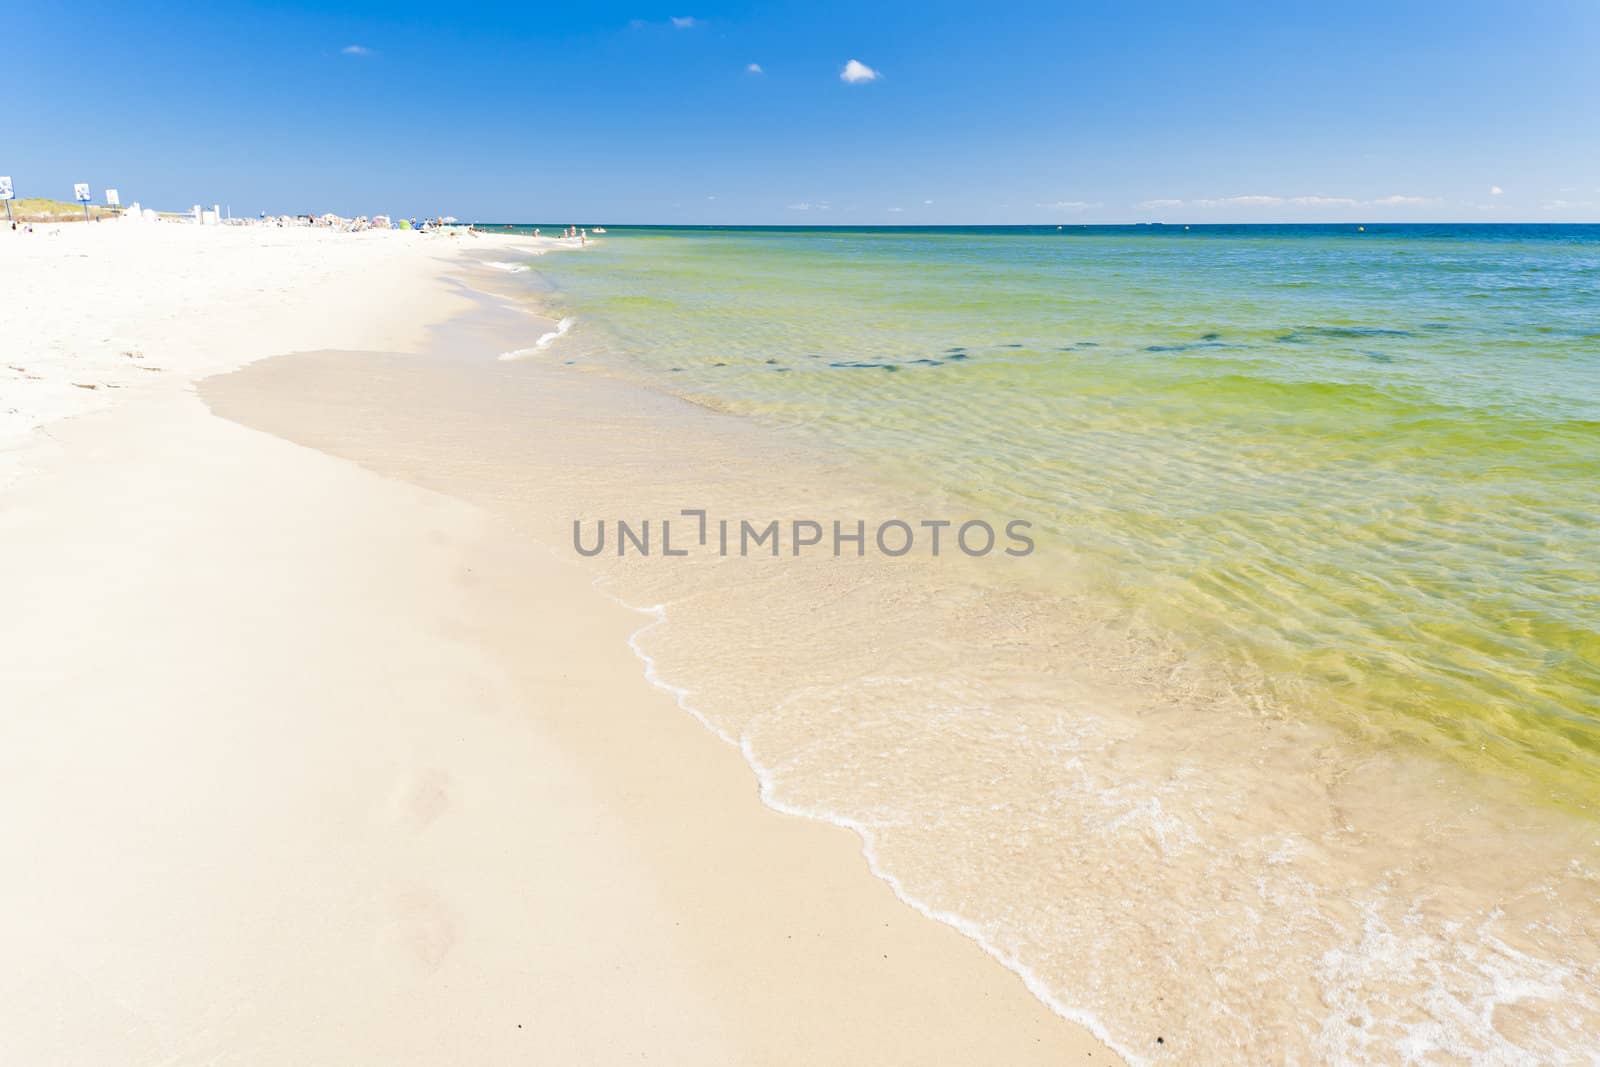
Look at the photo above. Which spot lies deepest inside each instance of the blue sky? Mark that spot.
(996, 113)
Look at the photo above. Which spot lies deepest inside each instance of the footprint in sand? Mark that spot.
(423, 797)
(421, 927)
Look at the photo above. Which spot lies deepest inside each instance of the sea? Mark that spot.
(1282, 745)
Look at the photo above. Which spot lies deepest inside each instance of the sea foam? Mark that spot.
(544, 341)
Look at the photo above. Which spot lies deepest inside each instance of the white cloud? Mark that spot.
(927, 202)
(710, 198)
(1069, 205)
(676, 22)
(856, 72)
(801, 206)
(1263, 200)
(1495, 190)
(754, 68)
(355, 50)
(1253, 200)
(897, 209)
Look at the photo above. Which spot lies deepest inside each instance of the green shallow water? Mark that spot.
(1363, 465)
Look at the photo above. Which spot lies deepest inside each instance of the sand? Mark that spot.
(305, 764)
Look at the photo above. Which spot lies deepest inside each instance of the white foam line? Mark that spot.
(658, 613)
(509, 268)
(765, 781)
(544, 341)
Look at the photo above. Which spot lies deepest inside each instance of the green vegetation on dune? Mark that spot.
(43, 209)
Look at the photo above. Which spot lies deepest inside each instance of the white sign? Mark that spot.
(5, 189)
(112, 198)
(81, 190)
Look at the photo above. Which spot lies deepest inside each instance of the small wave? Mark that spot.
(767, 791)
(509, 268)
(544, 342)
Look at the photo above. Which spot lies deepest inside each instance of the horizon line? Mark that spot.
(1162, 223)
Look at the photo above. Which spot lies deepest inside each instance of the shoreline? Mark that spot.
(1335, 857)
(365, 822)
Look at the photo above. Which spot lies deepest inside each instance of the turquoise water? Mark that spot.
(1363, 464)
(1285, 745)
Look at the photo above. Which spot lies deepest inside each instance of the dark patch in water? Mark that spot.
(1087, 344)
(781, 370)
(719, 364)
(960, 355)
(1013, 346)
(771, 362)
(1211, 337)
(957, 348)
(1307, 334)
(1380, 357)
(1188, 347)
(861, 364)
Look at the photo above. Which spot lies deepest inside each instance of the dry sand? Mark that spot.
(303, 764)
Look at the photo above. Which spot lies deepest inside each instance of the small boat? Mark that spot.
(598, 229)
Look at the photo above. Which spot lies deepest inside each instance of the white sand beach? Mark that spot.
(305, 764)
